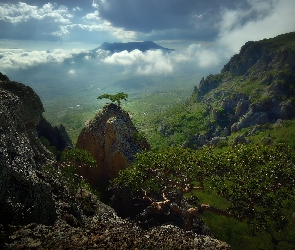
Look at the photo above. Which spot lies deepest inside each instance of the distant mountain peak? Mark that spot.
(130, 46)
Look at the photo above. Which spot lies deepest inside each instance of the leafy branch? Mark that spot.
(115, 98)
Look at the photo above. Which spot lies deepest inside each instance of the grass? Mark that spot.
(236, 232)
(230, 230)
(285, 40)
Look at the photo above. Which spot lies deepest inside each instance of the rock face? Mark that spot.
(112, 140)
(57, 136)
(24, 197)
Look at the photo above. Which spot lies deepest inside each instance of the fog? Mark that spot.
(65, 73)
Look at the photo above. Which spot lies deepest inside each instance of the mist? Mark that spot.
(61, 73)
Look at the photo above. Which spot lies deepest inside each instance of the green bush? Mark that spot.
(71, 160)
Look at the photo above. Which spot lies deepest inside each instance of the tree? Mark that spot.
(71, 161)
(257, 181)
(115, 98)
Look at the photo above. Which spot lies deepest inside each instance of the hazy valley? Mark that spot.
(69, 88)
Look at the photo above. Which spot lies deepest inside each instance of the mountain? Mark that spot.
(119, 47)
(256, 88)
(142, 46)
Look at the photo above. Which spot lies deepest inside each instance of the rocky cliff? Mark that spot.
(37, 208)
(256, 87)
(24, 196)
(112, 140)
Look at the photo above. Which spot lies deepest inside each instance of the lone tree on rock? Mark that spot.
(115, 98)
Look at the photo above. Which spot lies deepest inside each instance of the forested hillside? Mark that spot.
(253, 93)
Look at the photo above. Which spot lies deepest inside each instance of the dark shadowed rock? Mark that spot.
(3, 77)
(57, 136)
(30, 106)
(239, 139)
(24, 198)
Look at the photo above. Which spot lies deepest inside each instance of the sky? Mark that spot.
(204, 33)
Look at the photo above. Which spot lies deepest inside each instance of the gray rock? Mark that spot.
(24, 198)
(279, 123)
(239, 139)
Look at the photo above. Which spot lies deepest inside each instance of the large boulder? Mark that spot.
(112, 140)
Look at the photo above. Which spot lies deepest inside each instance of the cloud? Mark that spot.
(55, 22)
(22, 12)
(92, 16)
(230, 23)
(31, 22)
(203, 57)
(149, 62)
(188, 19)
(262, 19)
(72, 72)
(77, 8)
(19, 59)
(194, 58)
(94, 32)
(152, 62)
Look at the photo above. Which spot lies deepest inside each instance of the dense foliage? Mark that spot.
(71, 161)
(77, 158)
(257, 181)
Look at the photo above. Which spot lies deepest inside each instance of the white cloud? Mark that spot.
(19, 59)
(72, 72)
(264, 19)
(92, 16)
(63, 31)
(119, 33)
(22, 12)
(102, 54)
(138, 62)
(157, 62)
(77, 9)
(202, 57)
(149, 62)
